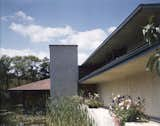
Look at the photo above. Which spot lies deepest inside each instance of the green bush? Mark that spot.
(67, 111)
(8, 118)
(93, 101)
(127, 109)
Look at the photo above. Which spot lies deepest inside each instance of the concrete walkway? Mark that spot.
(103, 118)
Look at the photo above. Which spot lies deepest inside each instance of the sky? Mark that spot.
(28, 27)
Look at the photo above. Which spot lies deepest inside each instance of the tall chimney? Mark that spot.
(63, 70)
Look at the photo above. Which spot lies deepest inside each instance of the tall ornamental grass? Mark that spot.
(67, 111)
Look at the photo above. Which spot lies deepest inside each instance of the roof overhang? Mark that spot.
(126, 65)
(127, 33)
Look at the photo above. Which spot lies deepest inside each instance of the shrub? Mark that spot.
(93, 101)
(127, 109)
(8, 118)
(67, 111)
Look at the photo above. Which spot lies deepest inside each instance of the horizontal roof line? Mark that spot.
(135, 11)
(125, 58)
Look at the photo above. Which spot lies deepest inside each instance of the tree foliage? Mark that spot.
(20, 70)
(151, 34)
(153, 63)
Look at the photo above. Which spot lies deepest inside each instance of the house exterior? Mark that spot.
(32, 95)
(117, 66)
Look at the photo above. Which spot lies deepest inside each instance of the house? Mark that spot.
(31, 95)
(117, 66)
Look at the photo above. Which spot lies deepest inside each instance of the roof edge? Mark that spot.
(141, 51)
(133, 13)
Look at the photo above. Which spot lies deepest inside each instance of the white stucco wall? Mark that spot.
(145, 84)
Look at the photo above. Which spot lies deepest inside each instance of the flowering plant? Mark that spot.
(93, 101)
(127, 109)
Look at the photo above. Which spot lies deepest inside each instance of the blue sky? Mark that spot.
(29, 26)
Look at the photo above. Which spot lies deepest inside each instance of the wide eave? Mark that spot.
(128, 34)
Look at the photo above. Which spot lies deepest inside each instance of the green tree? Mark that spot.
(151, 34)
(19, 68)
(5, 68)
(153, 63)
(44, 68)
(32, 68)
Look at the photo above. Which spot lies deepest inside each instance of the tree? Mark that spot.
(151, 34)
(32, 68)
(5, 68)
(153, 63)
(44, 68)
(20, 70)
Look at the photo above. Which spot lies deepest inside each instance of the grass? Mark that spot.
(67, 111)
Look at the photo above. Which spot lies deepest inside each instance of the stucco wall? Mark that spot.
(63, 70)
(145, 84)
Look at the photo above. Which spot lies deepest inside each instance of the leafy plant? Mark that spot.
(14, 117)
(151, 33)
(153, 63)
(127, 109)
(93, 101)
(67, 111)
(8, 118)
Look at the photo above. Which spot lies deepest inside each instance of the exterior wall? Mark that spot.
(63, 70)
(145, 85)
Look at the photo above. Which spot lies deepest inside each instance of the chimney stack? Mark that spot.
(63, 70)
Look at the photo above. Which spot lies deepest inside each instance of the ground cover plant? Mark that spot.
(16, 118)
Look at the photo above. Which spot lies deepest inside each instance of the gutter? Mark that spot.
(123, 59)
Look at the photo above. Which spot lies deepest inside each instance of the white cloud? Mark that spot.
(22, 15)
(19, 16)
(87, 40)
(82, 57)
(22, 52)
(111, 29)
(37, 33)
